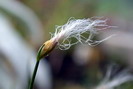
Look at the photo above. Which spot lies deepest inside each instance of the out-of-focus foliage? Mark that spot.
(81, 67)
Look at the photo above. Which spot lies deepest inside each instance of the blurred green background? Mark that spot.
(25, 25)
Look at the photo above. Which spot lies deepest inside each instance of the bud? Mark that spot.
(46, 48)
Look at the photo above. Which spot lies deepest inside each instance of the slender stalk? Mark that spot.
(34, 74)
(36, 68)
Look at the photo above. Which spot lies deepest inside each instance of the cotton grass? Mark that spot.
(75, 28)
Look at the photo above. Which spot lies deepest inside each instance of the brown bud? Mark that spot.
(47, 47)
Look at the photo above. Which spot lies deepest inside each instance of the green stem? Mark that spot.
(34, 74)
(36, 67)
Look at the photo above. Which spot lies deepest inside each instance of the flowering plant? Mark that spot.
(74, 28)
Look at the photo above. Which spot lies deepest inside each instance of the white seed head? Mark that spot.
(75, 28)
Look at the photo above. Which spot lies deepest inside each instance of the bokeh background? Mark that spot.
(25, 25)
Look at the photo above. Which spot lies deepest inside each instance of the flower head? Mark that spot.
(75, 28)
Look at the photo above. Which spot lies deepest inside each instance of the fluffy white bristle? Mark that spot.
(75, 28)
